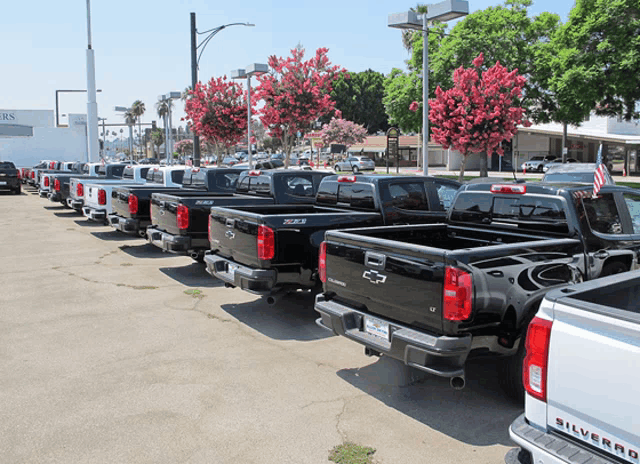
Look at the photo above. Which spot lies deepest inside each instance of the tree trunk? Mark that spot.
(483, 165)
(462, 164)
(287, 149)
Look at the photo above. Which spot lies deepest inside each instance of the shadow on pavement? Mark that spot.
(67, 213)
(88, 223)
(478, 415)
(291, 318)
(113, 236)
(54, 208)
(146, 251)
(192, 275)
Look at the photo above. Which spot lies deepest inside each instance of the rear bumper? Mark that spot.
(77, 204)
(550, 448)
(43, 193)
(126, 225)
(258, 281)
(180, 244)
(94, 214)
(439, 355)
(54, 196)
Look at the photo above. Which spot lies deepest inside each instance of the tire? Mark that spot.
(356, 170)
(511, 378)
(336, 168)
(541, 168)
(17, 191)
(614, 267)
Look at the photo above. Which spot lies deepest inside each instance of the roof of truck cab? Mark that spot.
(551, 188)
(378, 178)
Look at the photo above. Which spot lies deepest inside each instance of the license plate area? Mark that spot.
(377, 327)
(231, 268)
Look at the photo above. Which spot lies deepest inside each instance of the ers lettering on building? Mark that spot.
(595, 438)
(7, 117)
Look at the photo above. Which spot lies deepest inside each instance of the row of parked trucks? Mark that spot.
(423, 270)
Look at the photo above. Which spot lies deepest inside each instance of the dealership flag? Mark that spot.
(598, 176)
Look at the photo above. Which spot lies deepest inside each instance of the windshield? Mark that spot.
(536, 158)
(580, 177)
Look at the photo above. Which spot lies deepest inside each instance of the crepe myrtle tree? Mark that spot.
(479, 112)
(296, 93)
(342, 132)
(217, 111)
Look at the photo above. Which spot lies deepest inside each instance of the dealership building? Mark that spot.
(28, 136)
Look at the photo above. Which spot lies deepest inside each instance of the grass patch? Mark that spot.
(350, 453)
(629, 184)
(194, 292)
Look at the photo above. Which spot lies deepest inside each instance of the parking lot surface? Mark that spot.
(111, 351)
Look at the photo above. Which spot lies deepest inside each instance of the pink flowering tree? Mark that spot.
(295, 94)
(185, 147)
(343, 132)
(217, 111)
(481, 111)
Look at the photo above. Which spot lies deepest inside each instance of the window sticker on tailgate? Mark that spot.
(294, 221)
(204, 202)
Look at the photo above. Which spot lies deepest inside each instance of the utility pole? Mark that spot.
(92, 105)
(194, 81)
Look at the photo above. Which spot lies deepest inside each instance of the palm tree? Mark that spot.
(185, 93)
(129, 120)
(138, 110)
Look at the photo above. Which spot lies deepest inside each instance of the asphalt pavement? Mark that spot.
(114, 352)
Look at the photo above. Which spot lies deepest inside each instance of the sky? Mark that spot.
(142, 47)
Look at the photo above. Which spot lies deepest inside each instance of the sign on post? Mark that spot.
(393, 136)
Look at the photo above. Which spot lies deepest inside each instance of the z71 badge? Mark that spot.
(288, 222)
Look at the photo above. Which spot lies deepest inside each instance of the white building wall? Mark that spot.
(48, 142)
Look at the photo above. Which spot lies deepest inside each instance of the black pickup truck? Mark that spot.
(435, 294)
(274, 249)
(131, 205)
(9, 177)
(180, 221)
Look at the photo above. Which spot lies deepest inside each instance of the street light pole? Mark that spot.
(195, 59)
(92, 105)
(425, 96)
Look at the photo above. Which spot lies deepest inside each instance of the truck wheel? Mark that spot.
(17, 191)
(614, 267)
(336, 168)
(356, 170)
(511, 378)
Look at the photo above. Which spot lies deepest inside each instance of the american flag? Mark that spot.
(598, 176)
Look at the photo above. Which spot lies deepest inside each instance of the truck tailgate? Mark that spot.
(604, 341)
(385, 280)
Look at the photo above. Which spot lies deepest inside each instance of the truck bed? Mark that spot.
(398, 272)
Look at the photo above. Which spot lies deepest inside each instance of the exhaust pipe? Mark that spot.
(195, 256)
(457, 383)
(142, 233)
(271, 300)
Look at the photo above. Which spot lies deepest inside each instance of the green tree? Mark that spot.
(157, 137)
(597, 63)
(359, 99)
(403, 88)
(506, 34)
(138, 110)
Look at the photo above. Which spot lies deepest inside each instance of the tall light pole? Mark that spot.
(92, 105)
(254, 69)
(168, 140)
(57, 101)
(443, 11)
(195, 60)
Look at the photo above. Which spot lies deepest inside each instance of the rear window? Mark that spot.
(177, 176)
(580, 177)
(128, 173)
(227, 181)
(102, 171)
(409, 196)
(602, 214)
(297, 185)
(259, 184)
(143, 172)
(524, 211)
(116, 171)
(85, 169)
(356, 195)
(7, 165)
(155, 176)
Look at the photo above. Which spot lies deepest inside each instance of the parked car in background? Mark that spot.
(581, 376)
(557, 162)
(536, 163)
(433, 295)
(355, 164)
(9, 177)
(582, 173)
(229, 161)
(272, 248)
(278, 156)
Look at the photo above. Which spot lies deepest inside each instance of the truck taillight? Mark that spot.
(457, 294)
(33, 175)
(322, 262)
(19, 176)
(46, 181)
(56, 185)
(266, 243)
(182, 217)
(80, 190)
(534, 368)
(52, 165)
(133, 204)
(102, 197)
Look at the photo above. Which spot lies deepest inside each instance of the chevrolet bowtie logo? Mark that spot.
(374, 277)
(229, 234)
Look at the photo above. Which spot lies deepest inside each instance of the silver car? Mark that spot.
(355, 164)
(581, 173)
(536, 163)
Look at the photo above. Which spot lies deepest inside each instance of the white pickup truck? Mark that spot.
(44, 176)
(582, 376)
(97, 203)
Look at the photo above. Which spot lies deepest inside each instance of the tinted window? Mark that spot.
(633, 205)
(602, 214)
(128, 173)
(7, 165)
(143, 172)
(85, 169)
(260, 183)
(472, 207)
(149, 176)
(358, 196)
(244, 184)
(177, 176)
(580, 177)
(409, 196)
(446, 194)
(327, 193)
(528, 208)
(298, 185)
(227, 181)
(101, 171)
